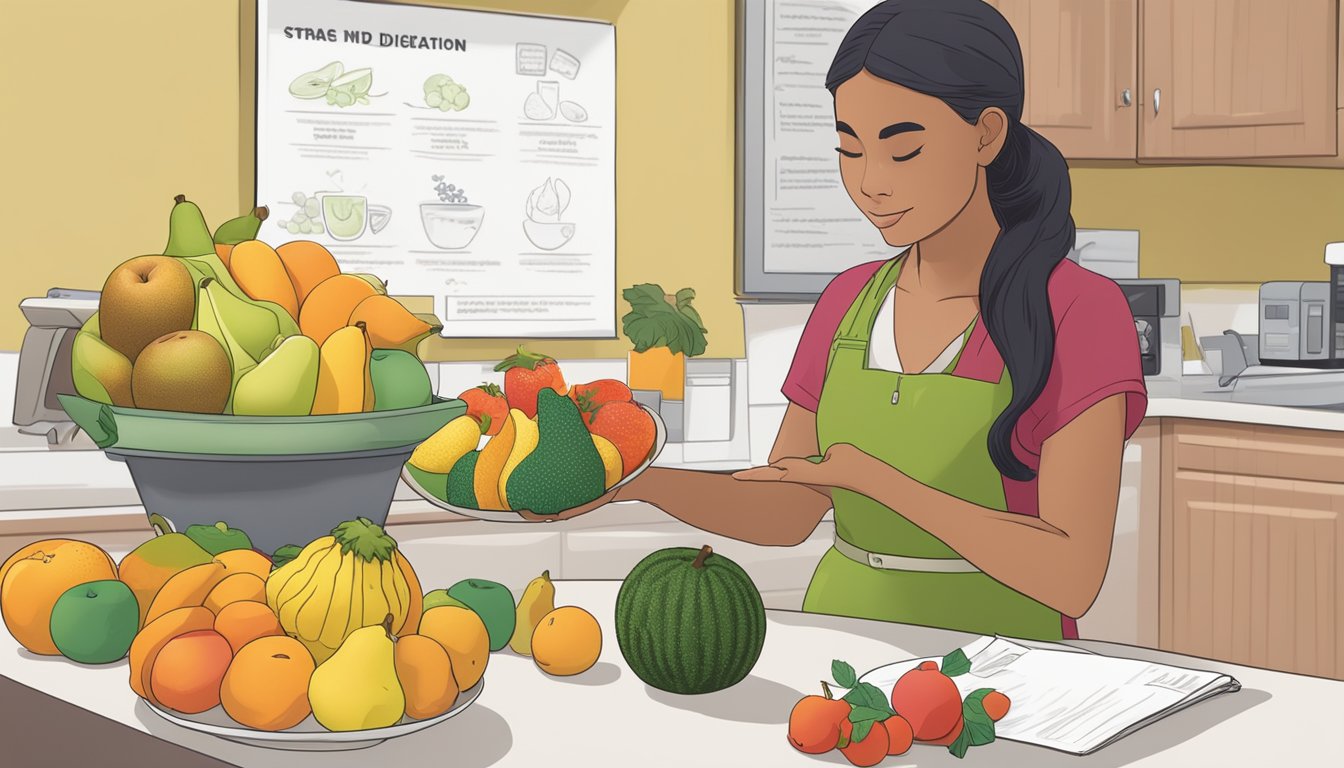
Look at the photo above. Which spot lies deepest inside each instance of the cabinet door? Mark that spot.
(1079, 60)
(1252, 572)
(1238, 79)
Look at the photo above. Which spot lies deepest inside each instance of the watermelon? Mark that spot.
(689, 621)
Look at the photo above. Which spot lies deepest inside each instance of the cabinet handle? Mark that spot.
(1125, 98)
(1157, 100)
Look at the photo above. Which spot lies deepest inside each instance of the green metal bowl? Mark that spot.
(280, 479)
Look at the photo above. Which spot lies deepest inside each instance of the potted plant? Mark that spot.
(665, 330)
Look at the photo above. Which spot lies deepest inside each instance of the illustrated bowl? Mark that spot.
(308, 735)
(548, 235)
(417, 480)
(451, 225)
(279, 479)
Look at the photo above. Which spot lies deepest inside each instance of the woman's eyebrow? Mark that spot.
(892, 130)
(844, 128)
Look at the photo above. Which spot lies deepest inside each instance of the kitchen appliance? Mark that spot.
(44, 361)
(1113, 253)
(1298, 323)
(1156, 306)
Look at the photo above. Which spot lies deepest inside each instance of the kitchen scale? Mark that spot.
(44, 361)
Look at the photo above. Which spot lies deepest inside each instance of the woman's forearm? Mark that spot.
(773, 514)
(1021, 551)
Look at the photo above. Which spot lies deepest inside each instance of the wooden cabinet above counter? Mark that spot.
(1184, 81)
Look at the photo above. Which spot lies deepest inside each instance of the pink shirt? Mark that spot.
(1096, 356)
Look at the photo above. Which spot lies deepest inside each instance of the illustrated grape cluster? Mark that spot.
(443, 94)
(305, 221)
(449, 193)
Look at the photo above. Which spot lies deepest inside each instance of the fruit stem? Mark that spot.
(387, 624)
(261, 212)
(546, 574)
(705, 552)
(826, 689)
(179, 198)
(205, 281)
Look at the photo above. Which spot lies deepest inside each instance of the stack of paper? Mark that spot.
(1069, 699)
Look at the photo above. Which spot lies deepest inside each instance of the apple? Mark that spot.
(143, 299)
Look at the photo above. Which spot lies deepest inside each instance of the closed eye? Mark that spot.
(848, 154)
(903, 158)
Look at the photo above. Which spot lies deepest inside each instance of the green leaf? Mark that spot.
(108, 423)
(285, 554)
(857, 714)
(861, 729)
(977, 729)
(958, 748)
(868, 695)
(843, 674)
(956, 663)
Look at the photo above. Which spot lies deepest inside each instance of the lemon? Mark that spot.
(443, 448)
(611, 460)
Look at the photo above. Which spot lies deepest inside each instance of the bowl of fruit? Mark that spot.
(536, 448)
(255, 384)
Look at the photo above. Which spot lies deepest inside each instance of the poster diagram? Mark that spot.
(452, 222)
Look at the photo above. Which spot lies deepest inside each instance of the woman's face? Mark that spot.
(908, 161)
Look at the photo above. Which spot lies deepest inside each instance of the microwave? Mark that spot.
(1298, 323)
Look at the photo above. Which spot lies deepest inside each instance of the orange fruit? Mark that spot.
(189, 671)
(266, 686)
(233, 589)
(147, 645)
(34, 577)
(244, 621)
(412, 622)
(426, 676)
(567, 641)
(463, 635)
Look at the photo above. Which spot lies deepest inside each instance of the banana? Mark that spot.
(285, 574)
(245, 227)
(396, 598)
(301, 588)
(336, 624)
(312, 612)
(375, 604)
(538, 600)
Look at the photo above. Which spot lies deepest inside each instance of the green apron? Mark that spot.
(932, 427)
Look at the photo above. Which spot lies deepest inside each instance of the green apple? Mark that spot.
(441, 597)
(399, 380)
(94, 623)
(493, 603)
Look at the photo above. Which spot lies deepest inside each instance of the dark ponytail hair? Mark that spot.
(964, 53)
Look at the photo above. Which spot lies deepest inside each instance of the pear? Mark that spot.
(357, 688)
(188, 234)
(254, 326)
(282, 384)
(538, 600)
(210, 266)
(245, 227)
(100, 372)
(215, 320)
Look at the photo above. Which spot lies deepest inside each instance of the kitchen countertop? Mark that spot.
(610, 717)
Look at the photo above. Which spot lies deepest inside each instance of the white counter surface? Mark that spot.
(607, 716)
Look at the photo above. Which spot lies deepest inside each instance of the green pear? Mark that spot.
(284, 383)
(100, 372)
(188, 234)
(210, 266)
(357, 688)
(399, 380)
(252, 325)
(211, 318)
(245, 227)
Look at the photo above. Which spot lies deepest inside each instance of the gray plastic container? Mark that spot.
(275, 500)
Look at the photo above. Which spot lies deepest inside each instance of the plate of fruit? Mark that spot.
(538, 447)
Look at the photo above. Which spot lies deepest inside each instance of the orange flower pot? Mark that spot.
(658, 369)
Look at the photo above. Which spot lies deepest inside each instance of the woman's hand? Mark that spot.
(600, 501)
(841, 467)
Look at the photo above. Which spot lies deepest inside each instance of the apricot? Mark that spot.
(33, 578)
(307, 263)
(996, 705)
(391, 325)
(186, 588)
(188, 672)
(327, 307)
(233, 589)
(928, 700)
(871, 751)
(425, 672)
(950, 736)
(266, 685)
(568, 641)
(463, 635)
(244, 621)
(152, 638)
(257, 269)
(814, 723)
(245, 561)
(899, 735)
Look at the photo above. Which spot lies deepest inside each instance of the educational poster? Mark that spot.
(465, 155)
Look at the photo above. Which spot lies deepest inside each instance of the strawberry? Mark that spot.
(486, 404)
(526, 374)
(593, 395)
(628, 428)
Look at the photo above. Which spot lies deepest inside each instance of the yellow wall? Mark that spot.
(1218, 224)
(125, 109)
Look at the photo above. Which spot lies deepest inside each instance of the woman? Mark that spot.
(972, 395)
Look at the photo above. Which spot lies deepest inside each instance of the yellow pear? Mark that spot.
(343, 383)
(357, 688)
(538, 600)
(525, 438)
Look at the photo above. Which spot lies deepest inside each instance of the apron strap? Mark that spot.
(901, 563)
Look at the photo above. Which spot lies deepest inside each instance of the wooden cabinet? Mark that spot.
(1252, 546)
(1208, 80)
(1080, 61)
(1238, 78)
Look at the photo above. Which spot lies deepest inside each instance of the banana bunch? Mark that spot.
(339, 583)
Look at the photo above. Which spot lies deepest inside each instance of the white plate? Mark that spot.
(506, 516)
(309, 735)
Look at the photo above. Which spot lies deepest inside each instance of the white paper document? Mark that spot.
(811, 225)
(464, 155)
(1069, 699)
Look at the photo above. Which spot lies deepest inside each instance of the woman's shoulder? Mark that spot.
(1075, 290)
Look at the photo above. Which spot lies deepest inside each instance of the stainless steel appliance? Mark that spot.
(44, 361)
(1156, 305)
(1297, 324)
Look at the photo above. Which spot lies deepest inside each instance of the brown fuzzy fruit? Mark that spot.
(143, 299)
(183, 371)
